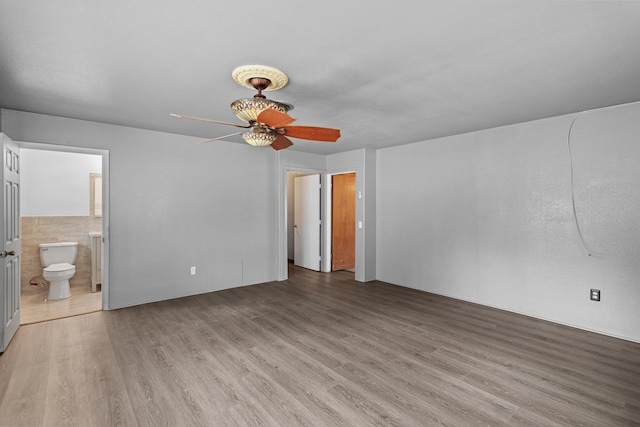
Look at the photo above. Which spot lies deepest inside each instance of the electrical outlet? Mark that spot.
(595, 294)
(193, 270)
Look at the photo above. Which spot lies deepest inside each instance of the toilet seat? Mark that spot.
(58, 276)
(60, 269)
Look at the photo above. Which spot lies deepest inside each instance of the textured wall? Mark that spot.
(487, 217)
(173, 204)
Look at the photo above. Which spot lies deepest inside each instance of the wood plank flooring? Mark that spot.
(316, 350)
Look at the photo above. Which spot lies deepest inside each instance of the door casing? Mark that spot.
(293, 165)
(307, 222)
(105, 203)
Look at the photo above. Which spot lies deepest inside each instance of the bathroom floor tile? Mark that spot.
(36, 308)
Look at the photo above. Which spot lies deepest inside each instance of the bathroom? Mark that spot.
(60, 201)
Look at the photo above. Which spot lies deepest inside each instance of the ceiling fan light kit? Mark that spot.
(268, 120)
(259, 139)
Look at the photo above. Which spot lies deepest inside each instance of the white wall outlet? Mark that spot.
(193, 270)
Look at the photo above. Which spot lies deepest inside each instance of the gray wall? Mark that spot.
(174, 204)
(487, 217)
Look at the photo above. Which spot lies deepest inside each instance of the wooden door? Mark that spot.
(343, 230)
(10, 238)
(306, 222)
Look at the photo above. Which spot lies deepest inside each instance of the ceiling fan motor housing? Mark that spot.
(247, 109)
(259, 84)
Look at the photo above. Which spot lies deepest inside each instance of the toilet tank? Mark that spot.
(54, 253)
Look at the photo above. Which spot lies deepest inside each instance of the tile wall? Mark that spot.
(47, 229)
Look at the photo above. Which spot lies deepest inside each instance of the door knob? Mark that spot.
(9, 253)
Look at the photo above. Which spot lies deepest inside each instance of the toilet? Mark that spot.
(58, 260)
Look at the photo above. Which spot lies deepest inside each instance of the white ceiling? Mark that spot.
(385, 73)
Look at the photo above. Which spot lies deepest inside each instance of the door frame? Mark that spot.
(325, 217)
(363, 162)
(307, 211)
(283, 232)
(105, 202)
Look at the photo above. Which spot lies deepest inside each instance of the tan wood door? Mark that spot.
(343, 229)
(10, 238)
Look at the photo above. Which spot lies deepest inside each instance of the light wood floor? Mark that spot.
(34, 306)
(317, 350)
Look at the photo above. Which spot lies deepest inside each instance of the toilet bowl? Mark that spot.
(58, 276)
(58, 261)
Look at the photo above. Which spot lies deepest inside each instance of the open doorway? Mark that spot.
(303, 219)
(61, 201)
(337, 217)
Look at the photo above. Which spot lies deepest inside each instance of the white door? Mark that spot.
(306, 222)
(10, 238)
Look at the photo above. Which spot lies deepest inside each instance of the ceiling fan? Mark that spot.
(268, 121)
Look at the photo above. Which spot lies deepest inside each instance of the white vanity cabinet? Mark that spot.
(96, 260)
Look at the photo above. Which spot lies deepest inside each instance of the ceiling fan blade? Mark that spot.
(182, 116)
(313, 133)
(274, 118)
(220, 137)
(281, 143)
